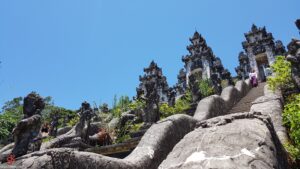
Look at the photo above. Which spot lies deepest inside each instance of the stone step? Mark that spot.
(245, 103)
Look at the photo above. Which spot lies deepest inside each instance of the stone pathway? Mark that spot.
(244, 104)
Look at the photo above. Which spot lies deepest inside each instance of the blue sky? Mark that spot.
(77, 50)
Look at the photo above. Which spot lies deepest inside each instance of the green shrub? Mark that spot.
(48, 139)
(282, 78)
(136, 127)
(122, 132)
(181, 106)
(291, 117)
(73, 121)
(205, 88)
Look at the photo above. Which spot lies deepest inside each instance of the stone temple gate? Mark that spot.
(260, 52)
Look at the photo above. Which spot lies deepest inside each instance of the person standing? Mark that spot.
(253, 78)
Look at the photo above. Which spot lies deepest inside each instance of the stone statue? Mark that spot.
(152, 102)
(227, 76)
(54, 123)
(29, 127)
(298, 23)
(194, 87)
(216, 83)
(279, 48)
(294, 57)
(172, 96)
(86, 114)
(240, 73)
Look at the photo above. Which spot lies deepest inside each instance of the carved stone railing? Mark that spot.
(271, 104)
(216, 105)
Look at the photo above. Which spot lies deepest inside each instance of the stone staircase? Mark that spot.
(244, 104)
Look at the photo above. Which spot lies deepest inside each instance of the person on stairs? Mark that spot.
(253, 78)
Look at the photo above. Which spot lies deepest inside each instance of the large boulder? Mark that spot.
(242, 140)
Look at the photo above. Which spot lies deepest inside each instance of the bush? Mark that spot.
(282, 78)
(181, 106)
(73, 121)
(291, 118)
(12, 113)
(205, 88)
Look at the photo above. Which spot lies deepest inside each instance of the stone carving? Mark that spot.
(54, 123)
(28, 129)
(194, 87)
(152, 102)
(171, 96)
(294, 57)
(86, 114)
(260, 53)
(227, 76)
(181, 86)
(279, 48)
(153, 89)
(200, 63)
(298, 23)
(216, 83)
(242, 140)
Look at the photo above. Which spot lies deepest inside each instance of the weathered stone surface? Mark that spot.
(209, 107)
(63, 130)
(29, 127)
(231, 96)
(215, 105)
(153, 148)
(271, 104)
(114, 122)
(242, 140)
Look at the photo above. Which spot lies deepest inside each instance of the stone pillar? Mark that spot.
(253, 63)
(270, 56)
(188, 72)
(206, 69)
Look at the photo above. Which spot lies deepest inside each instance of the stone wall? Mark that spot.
(215, 105)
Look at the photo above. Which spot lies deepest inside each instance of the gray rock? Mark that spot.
(113, 123)
(237, 141)
(63, 130)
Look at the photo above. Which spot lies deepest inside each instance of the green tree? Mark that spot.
(12, 113)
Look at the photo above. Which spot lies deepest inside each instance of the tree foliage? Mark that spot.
(12, 113)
